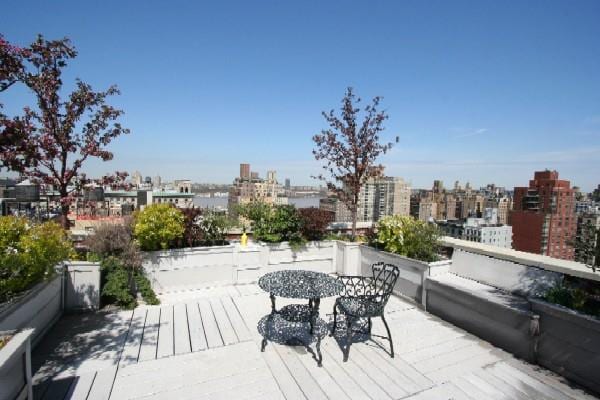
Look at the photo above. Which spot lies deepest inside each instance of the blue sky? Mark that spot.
(479, 91)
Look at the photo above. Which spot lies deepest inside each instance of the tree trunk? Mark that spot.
(354, 212)
(64, 210)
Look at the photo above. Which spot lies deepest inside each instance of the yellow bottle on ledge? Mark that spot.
(244, 239)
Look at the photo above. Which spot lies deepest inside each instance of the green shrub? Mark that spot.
(574, 298)
(213, 229)
(121, 284)
(144, 287)
(28, 253)
(274, 224)
(158, 226)
(408, 237)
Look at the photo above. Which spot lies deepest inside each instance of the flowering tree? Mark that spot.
(350, 151)
(50, 143)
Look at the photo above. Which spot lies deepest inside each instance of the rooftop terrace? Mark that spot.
(204, 344)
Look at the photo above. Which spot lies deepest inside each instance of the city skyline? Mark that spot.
(469, 99)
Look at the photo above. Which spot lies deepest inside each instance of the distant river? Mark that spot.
(221, 202)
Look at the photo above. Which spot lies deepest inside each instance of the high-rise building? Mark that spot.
(287, 183)
(137, 178)
(596, 194)
(157, 182)
(245, 171)
(543, 216)
(438, 186)
(503, 204)
(249, 187)
(379, 197)
(484, 230)
(587, 232)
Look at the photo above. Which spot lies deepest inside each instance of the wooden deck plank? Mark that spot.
(525, 387)
(498, 384)
(282, 375)
(227, 332)
(431, 352)
(473, 391)
(169, 379)
(450, 358)
(303, 378)
(165, 346)
(181, 329)
(237, 352)
(81, 386)
(490, 391)
(357, 374)
(59, 388)
(238, 387)
(447, 373)
(149, 343)
(102, 385)
(549, 379)
(446, 391)
(330, 387)
(546, 390)
(339, 375)
(211, 330)
(400, 379)
(197, 336)
(241, 330)
(131, 349)
(376, 373)
(420, 380)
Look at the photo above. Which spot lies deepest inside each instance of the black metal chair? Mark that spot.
(364, 298)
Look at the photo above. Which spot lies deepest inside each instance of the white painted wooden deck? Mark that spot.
(204, 345)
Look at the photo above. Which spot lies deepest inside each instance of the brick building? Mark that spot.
(543, 216)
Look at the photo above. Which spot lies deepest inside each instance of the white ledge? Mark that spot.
(535, 260)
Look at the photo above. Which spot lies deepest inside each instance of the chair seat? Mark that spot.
(359, 306)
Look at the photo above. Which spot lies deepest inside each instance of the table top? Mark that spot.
(300, 284)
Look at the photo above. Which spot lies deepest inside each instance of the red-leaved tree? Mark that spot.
(350, 150)
(49, 143)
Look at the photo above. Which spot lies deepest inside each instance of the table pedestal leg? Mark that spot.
(314, 313)
(273, 312)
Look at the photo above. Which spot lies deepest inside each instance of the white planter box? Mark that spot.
(569, 343)
(413, 273)
(82, 286)
(15, 367)
(39, 309)
(190, 268)
(198, 267)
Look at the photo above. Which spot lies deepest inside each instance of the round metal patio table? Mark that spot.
(299, 284)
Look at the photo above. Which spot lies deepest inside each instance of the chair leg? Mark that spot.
(348, 337)
(387, 328)
(334, 321)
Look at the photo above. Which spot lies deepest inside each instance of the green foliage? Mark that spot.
(121, 284)
(345, 237)
(28, 253)
(213, 228)
(158, 226)
(408, 237)
(117, 288)
(587, 246)
(574, 298)
(144, 287)
(274, 224)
